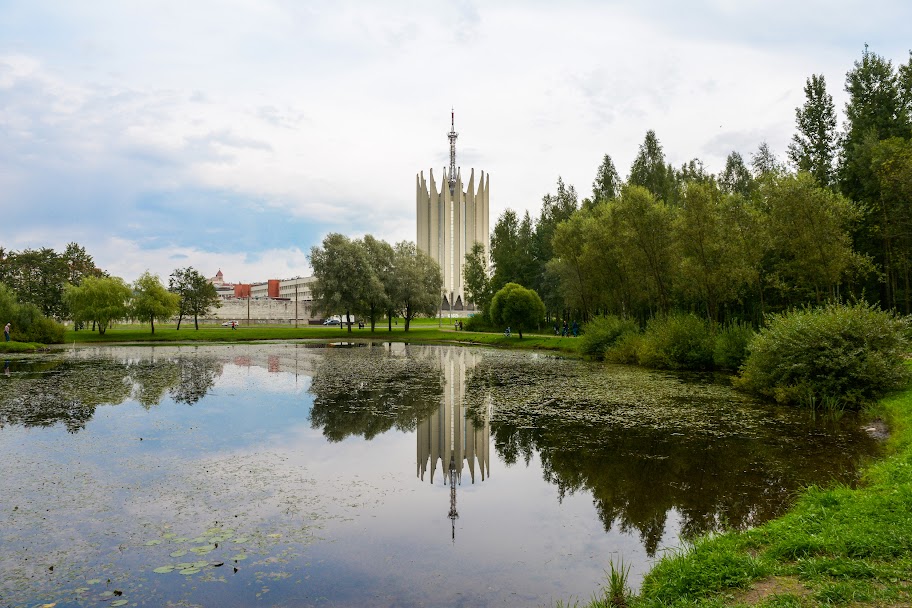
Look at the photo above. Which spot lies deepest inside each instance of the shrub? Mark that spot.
(479, 322)
(850, 353)
(626, 349)
(28, 324)
(730, 349)
(679, 341)
(601, 333)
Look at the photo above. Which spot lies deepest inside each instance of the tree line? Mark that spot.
(371, 278)
(40, 287)
(833, 222)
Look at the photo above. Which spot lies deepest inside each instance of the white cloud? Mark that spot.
(134, 116)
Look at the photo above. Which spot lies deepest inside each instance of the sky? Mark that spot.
(236, 134)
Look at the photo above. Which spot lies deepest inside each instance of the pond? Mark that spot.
(375, 475)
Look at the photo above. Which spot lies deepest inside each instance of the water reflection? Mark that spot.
(653, 445)
(369, 392)
(449, 436)
(67, 389)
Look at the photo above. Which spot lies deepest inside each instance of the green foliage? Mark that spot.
(151, 301)
(38, 276)
(475, 275)
(418, 284)
(813, 147)
(626, 349)
(607, 184)
(516, 307)
(98, 300)
(731, 344)
(27, 323)
(650, 171)
(602, 333)
(851, 353)
(196, 295)
(678, 341)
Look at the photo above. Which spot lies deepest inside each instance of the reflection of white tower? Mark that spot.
(447, 436)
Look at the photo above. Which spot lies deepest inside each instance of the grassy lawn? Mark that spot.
(837, 547)
(421, 331)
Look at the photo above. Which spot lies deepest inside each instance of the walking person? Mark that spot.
(6, 331)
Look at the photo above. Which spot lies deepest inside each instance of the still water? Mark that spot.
(375, 475)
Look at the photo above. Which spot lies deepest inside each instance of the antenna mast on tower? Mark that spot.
(452, 135)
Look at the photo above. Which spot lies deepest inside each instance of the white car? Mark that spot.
(229, 323)
(332, 322)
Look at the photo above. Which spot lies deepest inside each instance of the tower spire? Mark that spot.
(452, 135)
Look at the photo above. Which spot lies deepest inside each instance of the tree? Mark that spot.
(569, 262)
(98, 299)
(475, 276)
(712, 267)
(511, 250)
(810, 230)
(607, 184)
(875, 111)
(736, 177)
(378, 284)
(764, 161)
(644, 233)
(343, 274)
(517, 307)
(152, 301)
(813, 147)
(196, 295)
(650, 171)
(418, 284)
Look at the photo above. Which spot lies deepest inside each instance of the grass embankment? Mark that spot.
(836, 546)
(20, 347)
(426, 331)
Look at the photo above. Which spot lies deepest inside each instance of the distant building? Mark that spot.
(450, 221)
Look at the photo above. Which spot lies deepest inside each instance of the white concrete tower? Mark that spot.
(450, 221)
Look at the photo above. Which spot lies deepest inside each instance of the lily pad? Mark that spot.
(169, 535)
(93, 581)
(118, 603)
(200, 564)
(179, 539)
(189, 571)
(150, 543)
(179, 553)
(200, 539)
(81, 589)
(239, 557)
(183, 565)
(163, 569)
(240, 540)
(202, 550)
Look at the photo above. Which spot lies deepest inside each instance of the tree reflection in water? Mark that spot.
(67, 390)
(719, 464)
(371, 390)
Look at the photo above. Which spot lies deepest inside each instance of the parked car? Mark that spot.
(230, 324)
(332, 322)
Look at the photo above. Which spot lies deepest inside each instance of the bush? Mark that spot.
(479, 322)
(852, 354)
(730, 349)
(626, 349)
(679, 341)
(28, 324)
(601, 333)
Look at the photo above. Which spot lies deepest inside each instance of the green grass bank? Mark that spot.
(424, 331)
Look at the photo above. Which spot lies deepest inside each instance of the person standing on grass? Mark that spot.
(6, 331)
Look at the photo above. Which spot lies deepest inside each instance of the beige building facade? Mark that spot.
(450, 221)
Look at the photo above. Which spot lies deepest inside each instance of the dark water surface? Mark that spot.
(289, 475)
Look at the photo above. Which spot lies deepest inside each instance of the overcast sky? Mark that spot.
(235, 134)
